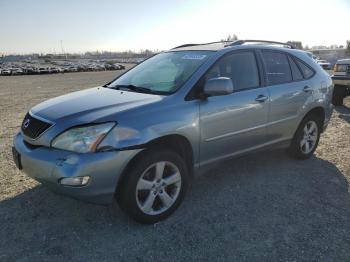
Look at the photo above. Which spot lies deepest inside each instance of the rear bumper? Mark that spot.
(341, 80)
(48, 166)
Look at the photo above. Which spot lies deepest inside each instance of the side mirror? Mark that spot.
(218, 86)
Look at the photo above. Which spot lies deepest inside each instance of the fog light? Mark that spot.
(75, 181)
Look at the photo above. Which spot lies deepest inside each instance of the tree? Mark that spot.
(296, 44)
(347, 51)
(230, 38)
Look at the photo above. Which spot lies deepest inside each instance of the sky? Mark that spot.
(39, 26)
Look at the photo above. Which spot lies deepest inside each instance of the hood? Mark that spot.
(91, 104)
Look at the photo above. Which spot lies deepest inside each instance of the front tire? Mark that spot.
(155, 186)
(306, 138)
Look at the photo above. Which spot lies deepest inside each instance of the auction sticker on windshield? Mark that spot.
(194, 57)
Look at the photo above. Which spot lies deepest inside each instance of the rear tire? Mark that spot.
(154, 187)
(306, 137)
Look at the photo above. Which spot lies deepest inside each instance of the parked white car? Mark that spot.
(16, 71)
(6, 72)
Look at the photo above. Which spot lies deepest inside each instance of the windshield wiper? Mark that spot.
(134, 88)
(138, 89)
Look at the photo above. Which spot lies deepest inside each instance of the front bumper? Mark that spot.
(48, 166)
(341, 80)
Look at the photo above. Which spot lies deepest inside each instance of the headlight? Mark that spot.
(82, 139)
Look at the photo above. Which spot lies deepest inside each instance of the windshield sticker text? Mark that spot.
(194, 57)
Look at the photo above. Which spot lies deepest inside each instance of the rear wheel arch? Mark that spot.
(318, 112)
(306, 137)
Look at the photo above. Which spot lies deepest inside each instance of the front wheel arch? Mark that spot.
(177, 143)
(125, 196)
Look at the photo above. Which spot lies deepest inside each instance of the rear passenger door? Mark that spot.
(289, 91)
(234, 123)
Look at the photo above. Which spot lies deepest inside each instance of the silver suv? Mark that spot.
(143, 136)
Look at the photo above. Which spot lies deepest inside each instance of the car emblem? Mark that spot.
(26, 123)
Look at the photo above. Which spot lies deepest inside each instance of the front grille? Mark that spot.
(33, 127)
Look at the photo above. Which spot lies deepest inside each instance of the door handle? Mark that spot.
(261, 98)
(307, 89)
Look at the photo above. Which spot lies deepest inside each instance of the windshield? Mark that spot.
(163, 73)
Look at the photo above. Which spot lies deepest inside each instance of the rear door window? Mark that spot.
(277, 67)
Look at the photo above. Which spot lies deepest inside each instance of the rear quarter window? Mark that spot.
(305, 69)
(296, 73)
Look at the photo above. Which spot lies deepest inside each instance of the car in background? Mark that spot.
(324, 64)
(142, 137)
(341, 81)
(90, 68)
(114, 67)
(53, 70)
(16, 71)
(6, 72)
(29, 70)
(109, 66)
(70, 69)
(38, 67)
(82, 68)
(120, 67)
(100, 68)
(42, 70)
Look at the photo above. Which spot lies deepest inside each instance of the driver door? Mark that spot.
(234, 123)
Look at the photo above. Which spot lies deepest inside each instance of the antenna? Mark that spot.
(62, 47)
(63, 51)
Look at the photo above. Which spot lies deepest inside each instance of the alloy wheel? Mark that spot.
(158, 188)
(309, 138)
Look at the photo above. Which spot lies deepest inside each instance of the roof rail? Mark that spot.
(241, 42)
(187, 45)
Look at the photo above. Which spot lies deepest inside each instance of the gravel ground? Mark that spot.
(262, 207)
